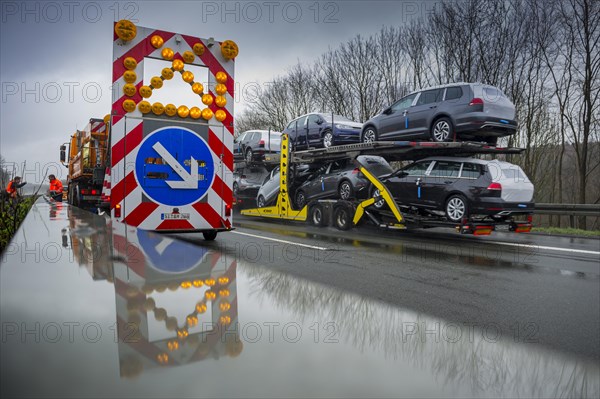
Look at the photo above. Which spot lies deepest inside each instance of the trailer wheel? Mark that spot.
(316, 216)
(342, 217)
(209, 235)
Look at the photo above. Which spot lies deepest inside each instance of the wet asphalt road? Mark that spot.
(540, 290)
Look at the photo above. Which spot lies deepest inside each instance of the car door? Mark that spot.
(421, 113)
(393, 119)
(438, 182)
(404, 184)
(272, 185)
(246, 142)
(333, 177)
(237, 144)
(314, 129)
(299, 129)
(314, 186)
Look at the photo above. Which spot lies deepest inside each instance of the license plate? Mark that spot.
(90, 197)
(175, 216)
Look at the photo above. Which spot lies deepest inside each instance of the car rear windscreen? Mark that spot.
(377, 166)
(514, 174)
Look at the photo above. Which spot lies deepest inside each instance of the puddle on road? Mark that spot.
(89, 307)
(478, 254)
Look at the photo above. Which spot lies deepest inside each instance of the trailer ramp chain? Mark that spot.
(383, 191)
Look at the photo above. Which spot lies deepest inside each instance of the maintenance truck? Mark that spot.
(345, 214)
(86, 157)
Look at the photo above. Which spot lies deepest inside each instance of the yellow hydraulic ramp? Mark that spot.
(283, 209)
(383, 194)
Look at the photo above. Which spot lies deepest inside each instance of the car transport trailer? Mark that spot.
(345, 214)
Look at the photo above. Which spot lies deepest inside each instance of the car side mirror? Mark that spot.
(320, 121)
(63, 153)
(387, 111)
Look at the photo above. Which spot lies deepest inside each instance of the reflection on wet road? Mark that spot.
(93, 308)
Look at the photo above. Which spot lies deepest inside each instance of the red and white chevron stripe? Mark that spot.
(105, 196)
(97, 126)
(127, 133)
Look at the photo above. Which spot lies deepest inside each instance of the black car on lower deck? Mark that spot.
(340, 179)
(461, 187)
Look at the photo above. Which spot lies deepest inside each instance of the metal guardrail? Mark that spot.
(568, 209)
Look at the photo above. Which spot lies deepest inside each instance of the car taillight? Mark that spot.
(355, 171)
(495, 186)
(94, 192)
(84, 192)
(228, 210)
(476, 101)
(261, 143)
(118, 210)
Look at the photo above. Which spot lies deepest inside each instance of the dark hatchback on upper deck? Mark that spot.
(459, 111)
(322, 130)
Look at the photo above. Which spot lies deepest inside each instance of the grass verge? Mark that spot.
(567, 231)
(12, 214)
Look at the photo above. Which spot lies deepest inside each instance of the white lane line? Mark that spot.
(282, 241)
(580, 251)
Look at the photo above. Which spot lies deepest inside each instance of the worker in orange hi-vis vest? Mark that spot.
(56, 188)
(13, 186)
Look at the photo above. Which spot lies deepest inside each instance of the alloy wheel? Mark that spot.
(441, 131)
(456, 208)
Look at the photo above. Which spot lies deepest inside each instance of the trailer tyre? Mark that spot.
(342, 217)
(456, 208)
(317, 217)
(210, 235)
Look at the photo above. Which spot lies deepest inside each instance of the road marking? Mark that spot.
(282, 241)
(581, 251)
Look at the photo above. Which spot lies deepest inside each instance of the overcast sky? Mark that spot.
(56, 57)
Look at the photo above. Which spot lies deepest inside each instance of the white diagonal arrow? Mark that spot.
(190, 180)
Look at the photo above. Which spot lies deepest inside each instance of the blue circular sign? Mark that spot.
(170, 255)
(174, 166)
